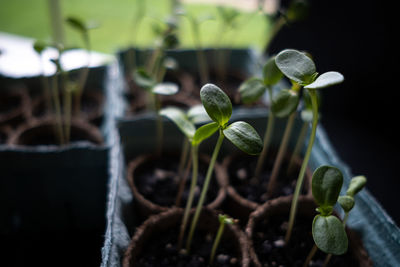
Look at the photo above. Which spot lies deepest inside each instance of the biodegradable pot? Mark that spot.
(238, 168)
(14, 106)
(43, 132)
(267, 227)
(157, 237)
(92, 107)
(141, 175)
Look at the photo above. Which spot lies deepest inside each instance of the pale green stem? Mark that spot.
(66, 93)
(266, 141)
(216, 241)
(83, 78)
(184, 154)
(276, 28)
(159, 125)
(204, 190)
(298, 147)
(203, 68)
(183, 177)
(57, 109)
(45, 83)
(56, 18)
(67, 115)
(189, 202)
(310, 255)
(281, 153)
(300, 179)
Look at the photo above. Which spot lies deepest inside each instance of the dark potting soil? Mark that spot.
(241, 173)
(158, 182)
(163, 251)
(269, 245)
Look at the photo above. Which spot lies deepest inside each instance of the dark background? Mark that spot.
(358, 39)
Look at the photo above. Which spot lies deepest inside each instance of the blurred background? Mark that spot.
(355, 38)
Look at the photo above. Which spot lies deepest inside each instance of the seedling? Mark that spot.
(250, 91)
(51, 93)
(39, 47)
(140, 12)
(328, 231)
(229, 17)
(186, 123)
(195, 23)
(301, 70)
(145, 81)
(241, 134)
(223, 220)
(83, 29)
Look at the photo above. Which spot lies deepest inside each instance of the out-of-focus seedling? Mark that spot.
(223, 220)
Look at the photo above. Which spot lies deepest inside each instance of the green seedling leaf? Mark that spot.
(166, 88)
(216, 103)
(251, 90)
(143, 79)
(346, 202)
(356, 184)
(39, 46)
(245, 137)
(77, 24)
(296, 66)
(197, 114)
(272, 75)
(180, 119)
(325, 80)
(284, 103)
(326, 184)
(329, 234)
(204, 132)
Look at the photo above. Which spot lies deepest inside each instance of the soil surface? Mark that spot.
(270, 247)
(164, 252)
(158, 182)
(241, 178)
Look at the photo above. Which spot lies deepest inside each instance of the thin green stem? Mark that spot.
(216, 241)
(203, 68)
(182, 182)
(346, 216)
(184, 154)
(300, 179)
(189, 202)
(281, 153)
(159, 125)
(57, 108)
(310, 255)
(82, 78)
(277, 26)
(56, 21)
(205, 188)
(298, 147)
(266, 141)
